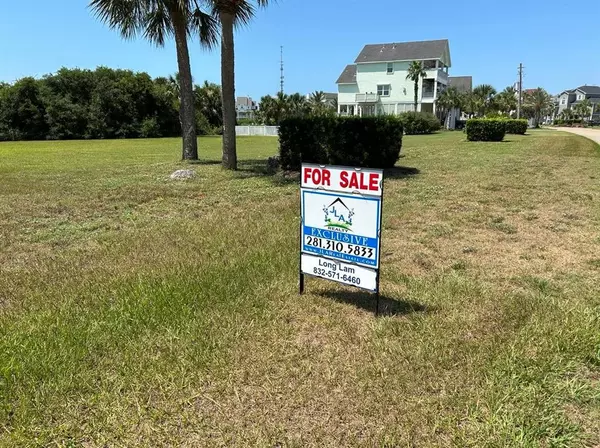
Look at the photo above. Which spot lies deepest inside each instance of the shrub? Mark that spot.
(484, 130)
(150, 128)
(372, 142)
(516, 126)
(419, 123)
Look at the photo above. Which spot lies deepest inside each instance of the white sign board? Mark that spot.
(341, 224)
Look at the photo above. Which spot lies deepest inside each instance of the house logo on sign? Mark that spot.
(338, 216)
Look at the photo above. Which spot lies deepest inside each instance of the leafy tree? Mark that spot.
(157, 20)
(537, 104)
(209, 103)
(23, 115)
(231, 13)
(483, 98)
(416, 71)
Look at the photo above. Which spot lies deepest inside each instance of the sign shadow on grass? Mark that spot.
(387, 306)
(401, 172)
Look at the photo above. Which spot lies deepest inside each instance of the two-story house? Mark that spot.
(376, 83)
(570, 98)
(245, 108)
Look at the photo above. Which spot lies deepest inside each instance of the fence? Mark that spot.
(270, 131)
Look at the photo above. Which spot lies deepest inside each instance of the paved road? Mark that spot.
(592, 134)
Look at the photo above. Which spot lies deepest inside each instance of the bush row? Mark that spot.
(493, 129)
(516, 126)
(415, 123)
(485, 129)
(370, 142)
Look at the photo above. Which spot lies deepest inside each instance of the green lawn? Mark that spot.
(140, 311)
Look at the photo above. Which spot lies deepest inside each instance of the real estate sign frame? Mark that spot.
(340, 226)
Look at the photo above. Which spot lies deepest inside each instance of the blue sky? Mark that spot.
(557, 41)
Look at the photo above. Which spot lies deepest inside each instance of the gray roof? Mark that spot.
(348, 76)
(591, 100)
(462, 83)
(404, 51)
(590, 90)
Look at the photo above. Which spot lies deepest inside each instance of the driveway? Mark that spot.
(592, 134)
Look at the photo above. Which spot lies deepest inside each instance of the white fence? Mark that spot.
(270, 131)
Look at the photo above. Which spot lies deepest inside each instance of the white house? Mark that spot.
(376, 83)
(245, 107)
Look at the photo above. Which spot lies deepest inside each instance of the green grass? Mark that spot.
(140, 311)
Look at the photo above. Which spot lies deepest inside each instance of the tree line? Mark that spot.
(485, 101)
(102, 103)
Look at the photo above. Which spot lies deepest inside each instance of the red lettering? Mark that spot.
(353, 181)
(327, 178)
(374, 182)
(307, 174)
(317, 177)
(344, 179)
(363, 185)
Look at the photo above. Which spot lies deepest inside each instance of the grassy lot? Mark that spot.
(139, 311)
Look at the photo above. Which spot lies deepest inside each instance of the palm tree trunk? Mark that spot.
(228, 91)
(416, 94)
(187, 113)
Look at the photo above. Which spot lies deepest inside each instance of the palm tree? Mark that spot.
(583, 109)
(449, 99)
(483, 95)
(231, 13)
(158, 20)
(506, 101)
(319, 105)
(416, 72)
(537, 104)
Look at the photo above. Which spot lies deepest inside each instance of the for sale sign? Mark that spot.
(341, 224)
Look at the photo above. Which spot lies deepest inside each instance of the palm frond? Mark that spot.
(158, 24)
(123, 15)
(206, 26)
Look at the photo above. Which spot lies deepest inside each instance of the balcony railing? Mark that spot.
(428, 94)
(367, 98)
(437, 74)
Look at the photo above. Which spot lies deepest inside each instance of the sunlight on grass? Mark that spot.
(140, 311)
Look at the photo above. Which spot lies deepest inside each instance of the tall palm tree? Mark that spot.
(537, 104)
(318, 103)
(416, 71)
(483, 94)
(231, 13)
(157, 20)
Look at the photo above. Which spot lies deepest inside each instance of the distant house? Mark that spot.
(245, 108)
(464, 84)
(376, 83)
(570, 98)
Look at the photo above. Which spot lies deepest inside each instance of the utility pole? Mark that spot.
(520, 91)
(281, 72)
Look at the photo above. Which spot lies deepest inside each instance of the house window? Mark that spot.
(383, 90)
(390, 68)
(563, 101)
(387, 109)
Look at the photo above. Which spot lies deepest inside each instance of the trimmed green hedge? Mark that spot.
(516, 126)
(370, 142)
(485, 130)
(415, 123)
